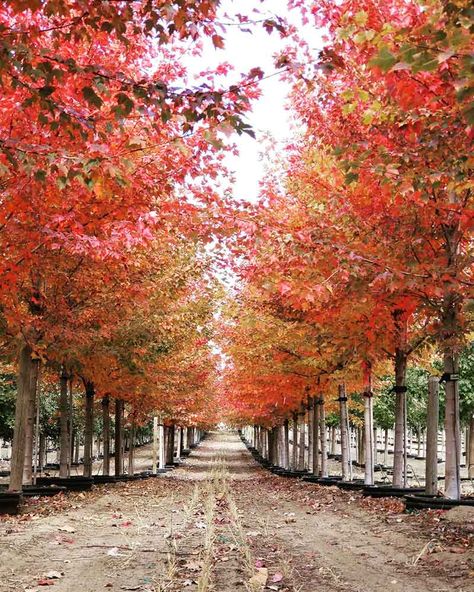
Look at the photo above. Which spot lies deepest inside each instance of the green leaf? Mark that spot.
(45, 91)
(91, 97)
(351, 178)
(126, 103)
(40, 175)
(469, 114)
(384, 60)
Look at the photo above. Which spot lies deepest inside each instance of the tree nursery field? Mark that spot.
(205, 388)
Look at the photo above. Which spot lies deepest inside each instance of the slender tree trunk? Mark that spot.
(26, 384)
(400, 414)
(322, 435)
(344, 434)
(385, 448)
(77, 450)
(286, 436)
(431, 476)
(179, 445)
(333, 440)
(294, 451)
(154, 448)
(302, 441)
(470, 451)
(170, 444)
(106, 434)
(30, 425)
(360, 446)
(131, 451)
(369, 440)
(118, 459)
(71, 426)
(42, 452)
(88, 428)
(162, 449)
(316, 409)
(452, 427)
(310, 432)
(64, 444)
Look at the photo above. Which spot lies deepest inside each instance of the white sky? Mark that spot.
(246, 51)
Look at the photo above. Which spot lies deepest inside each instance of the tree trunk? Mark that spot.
(179, 443)
(431, 476)
(344, 434)
(42, 452)
(470, 461)
(106, 434)
(315, 441)
(27, 372)
(360, 446)
(88, 428)
(385, 448)
(77, 450)
(333, 440)
(302, 441)
(64, 444)
(170, 444)
(71, 425)
(30, 425)
(315, 456)
(369, 441)
(131, 451)
(453, 433)
(400, 414)
(154, 447)
(286, 436)
(310, 433)
(162, 450)
(294, 450)
(322, 436)
(118, 459)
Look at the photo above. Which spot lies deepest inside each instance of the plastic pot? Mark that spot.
(389, 491)
(422, 501)
(10, 502)
(75, 483)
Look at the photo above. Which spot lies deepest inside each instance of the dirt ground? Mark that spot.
(221, 523)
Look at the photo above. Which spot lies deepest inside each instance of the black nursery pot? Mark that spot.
(292, 474)
(42, 490)
(135, 477)
(104, 479)
(51, 467)
(332, 480)
(422, 501)
(355, 485)
(10, 502)
(75, 483)
(389, 491)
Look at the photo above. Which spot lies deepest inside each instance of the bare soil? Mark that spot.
(221, 523)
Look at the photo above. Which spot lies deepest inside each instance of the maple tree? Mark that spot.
(111, 148)
(366, 228)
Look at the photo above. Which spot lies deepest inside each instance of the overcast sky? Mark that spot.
(246, 51)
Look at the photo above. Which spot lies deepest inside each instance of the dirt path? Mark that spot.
(220, 523)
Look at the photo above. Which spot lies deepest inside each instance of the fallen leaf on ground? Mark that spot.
(278, 577)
